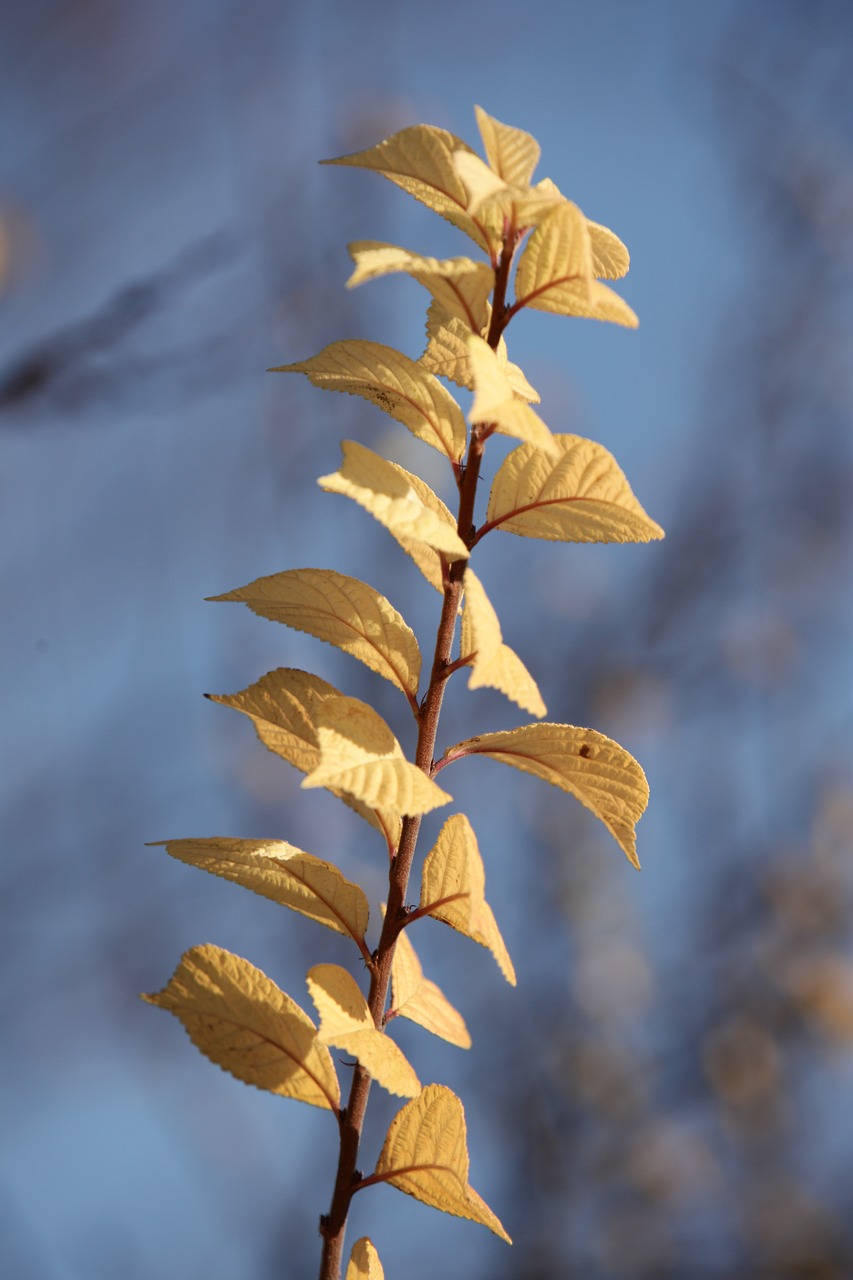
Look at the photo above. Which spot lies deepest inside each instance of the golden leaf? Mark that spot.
(364, 1262)
(360, 755)
(280, 871)
(512, 153)
(495, 665)
(282, 707)
(481, 181)
(345, 1022)
(419, 160)
(342, 611)
(403, 503)
(241, 1020)
(579, 496)
(557, 254)
(398, 385)
(422, 1001)
(610, 258)
(446, 354)
(460, 285)
(495, 400)
(593, 768)
(425, 1154)
(453, 886)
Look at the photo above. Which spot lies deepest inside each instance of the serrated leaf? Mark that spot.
(360, 755)
(592, 302)
(364, 1262)
(425, 1155)
(593, 768)
(512, 153)
(398, 385)
(422, 1001)
(446, 354)
(610, 258)
(282, 707)
(403, 503)
(495, 665)
(345, 1022)
(419, 160)
(460, 285)
(245, 1024)
(557, 255)
(496, 402)
(453, 886)
(581, 495)
(342, 611)
(287, 875)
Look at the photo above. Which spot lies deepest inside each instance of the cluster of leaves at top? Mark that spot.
(556, 487)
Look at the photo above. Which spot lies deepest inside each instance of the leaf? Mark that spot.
(593, 768)
(342, 611)
(495, 401)
(495, 665)
(425, 1155)
(512, 153)
(282, 706)
(280, 871)
(403, 503)
(453, 886)
(581, 495)
(595, 302)
(558, 254)
(420, 161)
(610, 258)
(446, 354)
(460, 285)
(398, 385)
(481, 181)
(241, 1020)
(360, 755)
(364, 1262)
(421, 1001)
(345, 1022)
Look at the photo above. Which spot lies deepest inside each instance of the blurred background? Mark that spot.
(666, 1095)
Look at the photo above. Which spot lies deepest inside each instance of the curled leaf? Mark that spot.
(421, 1001)
(364, 1262)
(241, 1020)
(494, 665)
(495, 400)
(425, 1155)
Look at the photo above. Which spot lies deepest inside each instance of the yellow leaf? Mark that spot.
(521, 387)
(398, 385)
(425, 1154)
(481, 182)
(420, 160)
(512, 153)
(593, 768)
(396, 498)
(241, 1020)
(446, 354)
(285, 874)
(593, 301)
(421, 1001)
(360, 755)
(495, 400)
(453, 886)
(557, 255)
(364, 1262)
(282, 707)
(342, 611)
(610, 258)
(345, 1022)
(579, 496)
(460, 285)
(495, 665)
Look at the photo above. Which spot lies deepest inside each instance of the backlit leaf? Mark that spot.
(285, 874)
(282, 707)
(453, 886)
(512, 153)
(496, 402)
(425, 1154)
(345, 1022)
(557, 255)
(396, 498)
(364, 1262)
(592, 302)
(460, 285)
(593, 768)
(610, 258)
(581, 495)
(421, 1001)
(342, 611)
(400, 386)
(360, 755)
(241, 1020)
(446, 354)
(495, 665)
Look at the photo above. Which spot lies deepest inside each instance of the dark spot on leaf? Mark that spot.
(584, 751)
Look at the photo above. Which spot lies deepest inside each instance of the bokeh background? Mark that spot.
(667, 1093)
